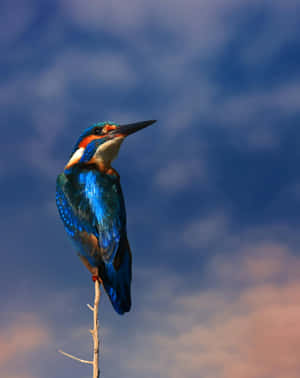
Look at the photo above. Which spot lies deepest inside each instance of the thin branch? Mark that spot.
(75, 358)
(90, 307)
(94, 333)
(96, 371)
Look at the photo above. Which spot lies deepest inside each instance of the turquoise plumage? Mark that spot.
(91, 205)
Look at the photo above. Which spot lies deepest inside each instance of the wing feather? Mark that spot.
(92, 208)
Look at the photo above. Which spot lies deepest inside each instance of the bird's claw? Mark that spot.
(96, 278)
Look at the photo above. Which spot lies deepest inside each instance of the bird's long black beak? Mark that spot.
(132, 127)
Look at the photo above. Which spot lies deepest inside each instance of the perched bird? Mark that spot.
(91, 205)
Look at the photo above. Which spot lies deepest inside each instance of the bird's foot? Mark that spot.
(96, 278)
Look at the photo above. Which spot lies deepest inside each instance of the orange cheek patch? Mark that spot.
(88, 139)
(108, 128)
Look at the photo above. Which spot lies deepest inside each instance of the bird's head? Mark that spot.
(101, 142)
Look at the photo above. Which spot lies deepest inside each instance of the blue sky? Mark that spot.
(211, 190)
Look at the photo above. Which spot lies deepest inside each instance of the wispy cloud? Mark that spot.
(183, 80)
(20, 339)
(15, 19)
(178, 175)
(215, 74)
(205, 232)
(231, 330)
(204, 25)
(278, 28)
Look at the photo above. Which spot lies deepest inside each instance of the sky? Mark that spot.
(212, 189)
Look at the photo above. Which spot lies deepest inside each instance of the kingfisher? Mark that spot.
(91, 205)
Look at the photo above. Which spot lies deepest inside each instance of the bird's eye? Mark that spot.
(97, 130)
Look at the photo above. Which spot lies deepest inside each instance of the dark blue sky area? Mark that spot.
(218, 171)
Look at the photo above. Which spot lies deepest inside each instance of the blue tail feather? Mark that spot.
(117, 279)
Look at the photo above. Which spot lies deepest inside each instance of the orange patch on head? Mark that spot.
(108, 128)
(88, 139)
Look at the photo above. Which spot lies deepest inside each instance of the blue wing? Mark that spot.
(92, 208)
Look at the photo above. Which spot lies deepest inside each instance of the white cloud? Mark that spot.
(230, 330)
(44, 98)
(190, 93)
(250, 106)
(203, 26)
(20, 339)
(178, 175)
(206, 232)
(225, 328)
(110, 16)
(103, 68)
(251, 118)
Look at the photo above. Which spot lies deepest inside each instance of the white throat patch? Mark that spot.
(108, 151)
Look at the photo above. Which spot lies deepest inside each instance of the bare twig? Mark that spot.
(96, 371)
(94, 332)
(75, 358)
(90, 307)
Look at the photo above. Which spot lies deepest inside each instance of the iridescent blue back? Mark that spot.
(92, 208)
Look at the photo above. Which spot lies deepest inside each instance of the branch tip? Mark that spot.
(75, 358)
(90, 307)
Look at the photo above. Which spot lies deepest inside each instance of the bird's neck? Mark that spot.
(104, 167)
(105, 154)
